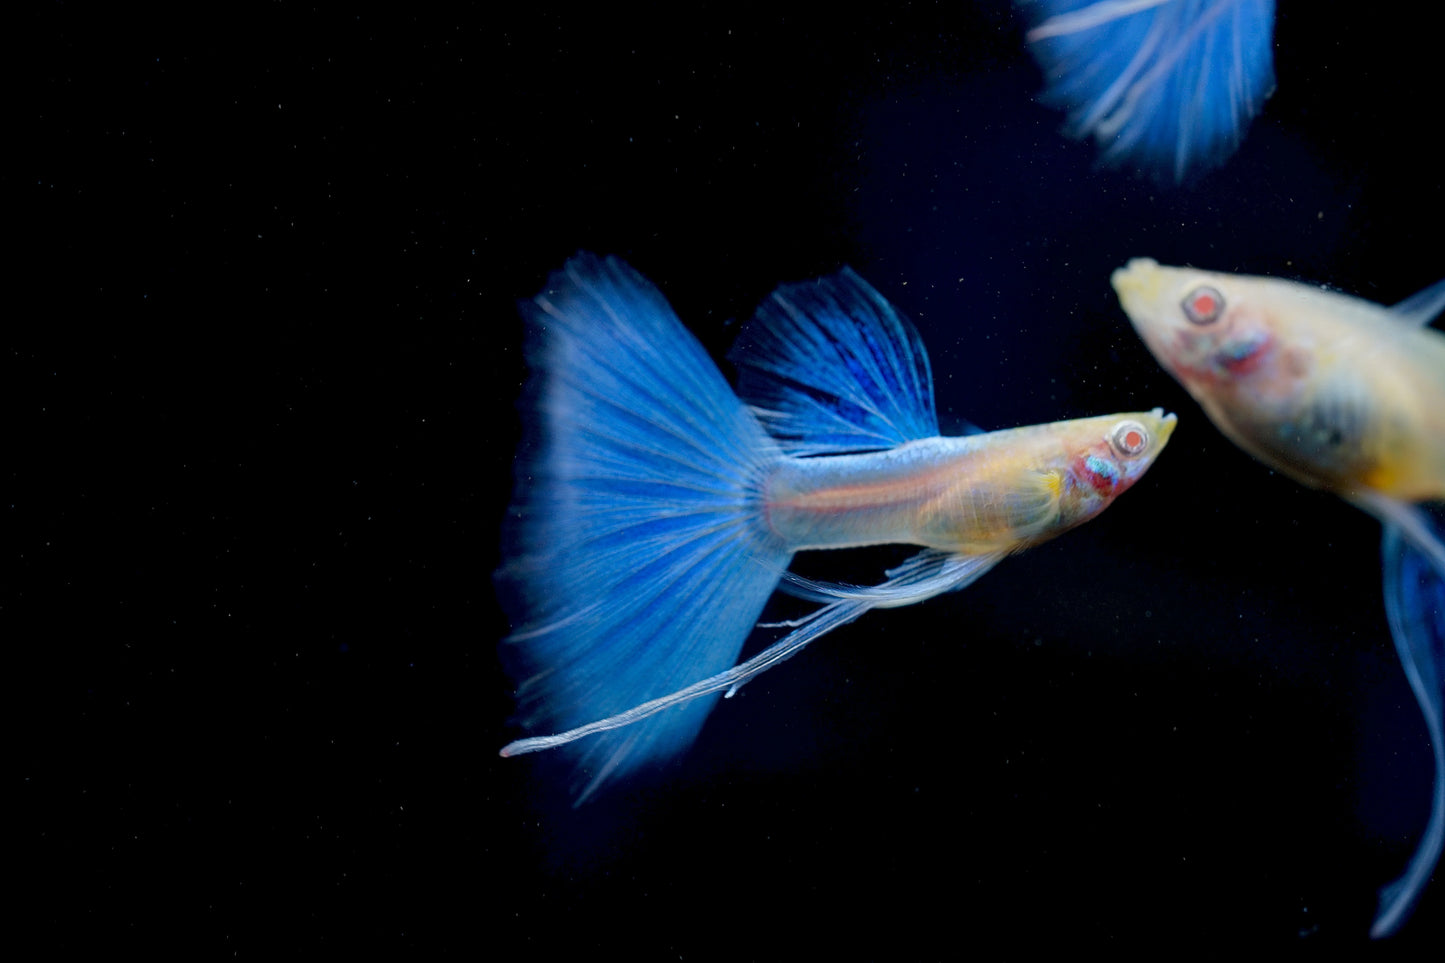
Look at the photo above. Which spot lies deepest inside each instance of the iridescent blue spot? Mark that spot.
(1103, 469)
(1233, 353)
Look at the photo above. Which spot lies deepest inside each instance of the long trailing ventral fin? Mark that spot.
(923, 576)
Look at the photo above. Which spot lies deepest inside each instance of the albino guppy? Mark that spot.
(1339, 394)
(656, 512)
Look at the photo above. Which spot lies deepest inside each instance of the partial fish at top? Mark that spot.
(1166, 86)
(1339, 394)
(655, 512)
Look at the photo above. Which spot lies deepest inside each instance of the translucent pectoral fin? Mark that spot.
(1034, 504)
(1415, 603)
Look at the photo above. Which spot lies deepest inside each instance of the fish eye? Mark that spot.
(1203, 305)
(1129, 438)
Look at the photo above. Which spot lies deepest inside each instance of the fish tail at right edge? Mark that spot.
(1414, 561)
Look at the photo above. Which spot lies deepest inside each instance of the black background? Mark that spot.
(261, 428)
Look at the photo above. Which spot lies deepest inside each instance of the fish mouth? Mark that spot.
(1135, 282)
(1165, 422)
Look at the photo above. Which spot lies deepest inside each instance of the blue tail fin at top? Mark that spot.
(1415, 603)
(640, 557)
(1168, 86)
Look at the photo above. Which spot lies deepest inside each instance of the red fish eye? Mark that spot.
(1130, 438)
(1203, 305)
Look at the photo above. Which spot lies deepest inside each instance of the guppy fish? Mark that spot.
(1339, 394)
(655, 512)
(1168, 86)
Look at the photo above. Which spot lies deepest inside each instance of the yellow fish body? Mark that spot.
(1340, 394)
(998, 492)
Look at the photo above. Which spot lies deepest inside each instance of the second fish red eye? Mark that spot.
(1203, 305)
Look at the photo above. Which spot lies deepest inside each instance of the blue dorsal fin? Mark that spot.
(1168, 86)
(1420, 309)
(829, 366)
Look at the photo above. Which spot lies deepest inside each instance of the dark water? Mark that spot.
(262, 434)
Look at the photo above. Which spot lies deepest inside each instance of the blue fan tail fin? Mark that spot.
(829, 366)
(1168, 86)
(640, 558)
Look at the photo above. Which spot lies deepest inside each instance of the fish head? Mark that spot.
(1215, 333)
(1244, 347)
(1109, 454)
